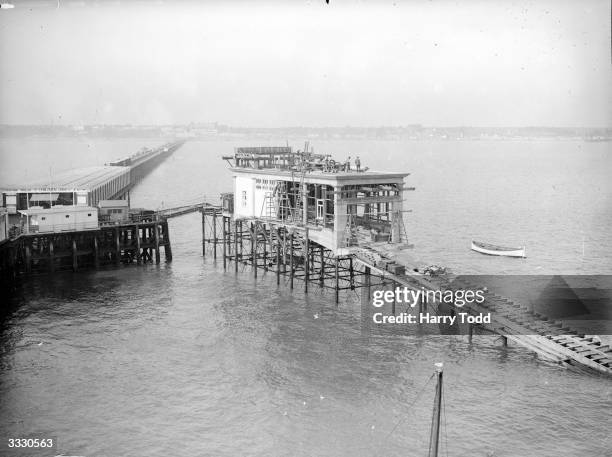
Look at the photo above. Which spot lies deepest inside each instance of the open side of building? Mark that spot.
(340, 208)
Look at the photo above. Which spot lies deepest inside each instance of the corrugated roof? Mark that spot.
(80, 179)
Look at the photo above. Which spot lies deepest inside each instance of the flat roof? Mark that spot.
(57, 209)
(318, 175)
(78, 179)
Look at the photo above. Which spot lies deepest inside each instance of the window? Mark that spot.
(67, 216)
(320, 207)
(43, 218)
(88, 214)
(244, 198)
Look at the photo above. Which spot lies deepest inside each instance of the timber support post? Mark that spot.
(156, 229)
(138, 254)
(235, 246)
(291, 272)
(254, 247)
(75, 263)
(224, 234)
(278, 256)
(168, 246)
(95, 253)
(52, 254)
(214, 227)
(117, 247)
(203, 211)
(306, 256)
(337, 280)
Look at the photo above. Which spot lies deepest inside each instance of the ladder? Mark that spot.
(350, 231)
(398, 221)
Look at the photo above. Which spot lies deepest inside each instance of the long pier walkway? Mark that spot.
(551, 339)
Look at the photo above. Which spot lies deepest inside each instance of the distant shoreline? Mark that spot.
(217, 131)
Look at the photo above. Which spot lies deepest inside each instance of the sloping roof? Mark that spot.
(78, 179)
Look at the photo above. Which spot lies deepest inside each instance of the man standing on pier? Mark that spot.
(357, 164)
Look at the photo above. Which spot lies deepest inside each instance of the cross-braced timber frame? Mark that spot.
(283, 249)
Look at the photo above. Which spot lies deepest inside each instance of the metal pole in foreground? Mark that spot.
(435, 420)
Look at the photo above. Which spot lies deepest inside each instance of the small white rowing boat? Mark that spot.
(491, 249)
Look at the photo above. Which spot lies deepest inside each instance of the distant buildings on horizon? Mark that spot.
(215, 130)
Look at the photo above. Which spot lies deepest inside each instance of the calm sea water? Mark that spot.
(184, 359)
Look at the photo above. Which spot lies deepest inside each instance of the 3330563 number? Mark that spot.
(15, 443)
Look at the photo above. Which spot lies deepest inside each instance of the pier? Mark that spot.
(55, 226)
(87, 186)
(300, 217)
(116, 244)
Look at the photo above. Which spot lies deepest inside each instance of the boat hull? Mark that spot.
(498, 250)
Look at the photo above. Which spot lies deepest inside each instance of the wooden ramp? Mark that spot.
(186, 209)
(550, 339)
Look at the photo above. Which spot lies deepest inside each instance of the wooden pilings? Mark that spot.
(289, 251)
(113, 245)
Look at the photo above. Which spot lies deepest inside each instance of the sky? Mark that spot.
(307, 63)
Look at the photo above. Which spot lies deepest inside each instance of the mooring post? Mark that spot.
(96, 252)
(254, 246)
(224, 243)
(470, 333)
(117, 247)
(278, 253)
(291, 261)
(138, 255)
(203, 210)
(337, 282)
(156, 228)
(505, 340)
(51, 256)
(306, 261)
(75, 265)
(236, 246)
(214, 227)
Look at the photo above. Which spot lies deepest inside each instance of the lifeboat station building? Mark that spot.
(340, 205)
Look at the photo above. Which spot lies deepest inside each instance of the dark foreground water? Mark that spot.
(184, 359)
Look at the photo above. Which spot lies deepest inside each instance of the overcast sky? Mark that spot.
(287, 63)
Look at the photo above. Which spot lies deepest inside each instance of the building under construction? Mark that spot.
(303, 214)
